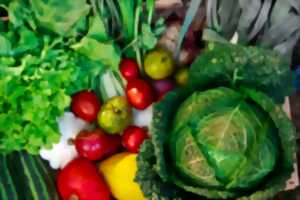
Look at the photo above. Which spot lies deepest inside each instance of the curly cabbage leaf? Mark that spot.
(234, 65)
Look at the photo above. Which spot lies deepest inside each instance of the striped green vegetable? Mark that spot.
(24, 176)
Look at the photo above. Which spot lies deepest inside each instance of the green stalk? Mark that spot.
(136, 33)
(131, 44)
(116, 19)
(114, 10)
(94, 6)
(150, 8)
(127, 13)
(102, 13)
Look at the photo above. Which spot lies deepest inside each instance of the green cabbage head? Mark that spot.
(221, 139)
(224, 135)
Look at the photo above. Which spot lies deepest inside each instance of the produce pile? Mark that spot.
(94, 107)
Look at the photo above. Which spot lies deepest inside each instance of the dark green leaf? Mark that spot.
(252, 66)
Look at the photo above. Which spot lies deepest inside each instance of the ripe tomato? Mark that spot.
(86, 105)
(133, 137)
(96, 145)
(80, 180)
(139, 94)
(129, 69)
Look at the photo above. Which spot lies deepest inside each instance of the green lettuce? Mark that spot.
(36, 89)
(39, 71)
(222, 136)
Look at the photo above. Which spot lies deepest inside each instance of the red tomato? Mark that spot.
(133, 137)
(139, 94)
(86, 105)
(161, 87)
(129, 69)
(96, 145)
(80, 180)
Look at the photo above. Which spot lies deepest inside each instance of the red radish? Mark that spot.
(139, 94)
(86, 105)
(161, 87)
(80, 180)
(129, 69)
(133, 137)
(96, 145)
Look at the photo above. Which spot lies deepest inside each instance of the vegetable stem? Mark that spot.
(150, 7)
(136, 34)
(132, 43)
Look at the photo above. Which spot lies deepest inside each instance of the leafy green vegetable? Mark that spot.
(149, 39)
(149, 180)
(131, 24)
(35, 92)
(105, 53)
(97, 29)
(40, 67)
(20, 13)
(254, 67)
(59, 16)
(127, 9)
(216, 138)
(225, 142)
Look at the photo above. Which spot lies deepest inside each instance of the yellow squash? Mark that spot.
(119, 173)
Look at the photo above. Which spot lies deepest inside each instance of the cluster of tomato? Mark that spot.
(114, 121)
(96, 144)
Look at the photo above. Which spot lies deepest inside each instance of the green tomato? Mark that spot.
(181, 76)
(115, 115)
(159, 64)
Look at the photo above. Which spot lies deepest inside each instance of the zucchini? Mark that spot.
(25, 176)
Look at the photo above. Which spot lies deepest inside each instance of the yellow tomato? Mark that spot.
(119, 173)
(181, 76)
(159, 64)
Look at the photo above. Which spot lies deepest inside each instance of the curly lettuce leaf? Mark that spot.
(36, 89)
(233, 65)
(20, 14)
